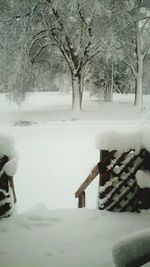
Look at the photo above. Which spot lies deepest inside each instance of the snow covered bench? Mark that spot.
(124, 169)
(8, 166)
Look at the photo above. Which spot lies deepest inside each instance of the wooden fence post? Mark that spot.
(81, 200)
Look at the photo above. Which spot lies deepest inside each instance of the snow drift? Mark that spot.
(132, 250)
(120, 140)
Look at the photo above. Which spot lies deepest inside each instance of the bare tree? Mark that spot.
(15, 66)
(133, 22)
(74, 28)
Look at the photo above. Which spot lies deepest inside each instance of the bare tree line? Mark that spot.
(105, 42)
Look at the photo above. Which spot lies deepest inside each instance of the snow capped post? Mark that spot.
(115, 194)
(124, 169)
(8, 167)
(129, 156)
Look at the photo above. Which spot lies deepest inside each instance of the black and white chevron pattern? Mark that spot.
(118, 190)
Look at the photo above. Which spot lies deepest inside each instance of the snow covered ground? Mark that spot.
(57, 151)
(69, 238)
(53, 107)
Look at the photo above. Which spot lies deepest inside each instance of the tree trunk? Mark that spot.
(108, 93)
(76, 93)
(139, 75)
(112, 82)
(139, 84)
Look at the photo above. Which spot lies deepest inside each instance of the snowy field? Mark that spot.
(56, 152)
(45, 108)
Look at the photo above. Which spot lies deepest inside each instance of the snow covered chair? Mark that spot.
(8, 167)
(123, 169)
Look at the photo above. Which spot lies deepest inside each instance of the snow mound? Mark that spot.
(143, 179)
(10, 167)
(7, 146)
(132, 250)
(112, 139)
(119, 140)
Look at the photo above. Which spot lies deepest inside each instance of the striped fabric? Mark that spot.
(118, 189)
(6, 196)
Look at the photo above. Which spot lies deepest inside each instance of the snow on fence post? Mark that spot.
(8, 167)
(119, 189)
(124, 169)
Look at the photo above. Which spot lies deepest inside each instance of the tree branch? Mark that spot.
(84, 62)
(132, 22)
(131, 67)
(146, 50)
(35, 40)
(146, 21)
(38, 52)
(28, 14)
(88, 26)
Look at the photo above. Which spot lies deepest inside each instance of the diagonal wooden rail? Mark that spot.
(80, 193)
(100, 168)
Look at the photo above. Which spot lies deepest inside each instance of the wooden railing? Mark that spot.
(100, 168)
(107, 170)
(80, 193)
